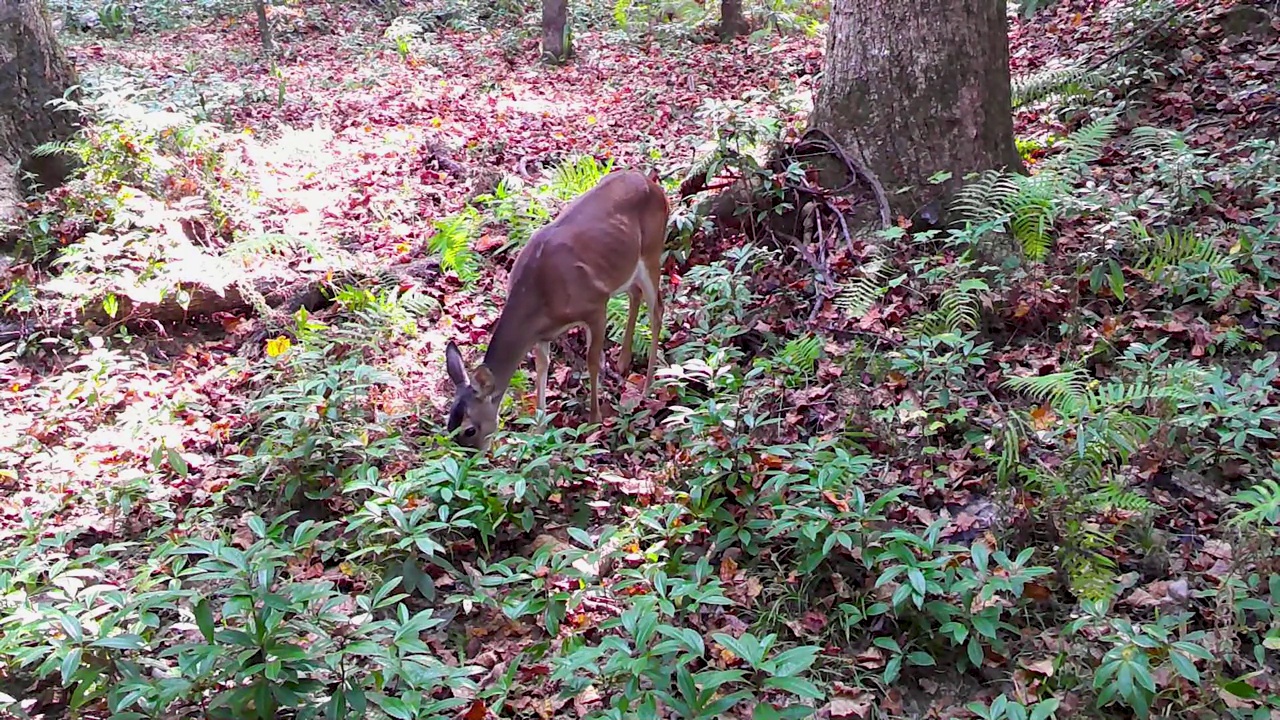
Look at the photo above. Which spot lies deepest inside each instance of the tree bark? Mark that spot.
(557, 43)
(913, 89)
(732, 22)
(33, 71)
(264, 27)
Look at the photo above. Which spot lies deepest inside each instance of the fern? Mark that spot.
(856, 296)
(1108, 420)
(1054, 83)
(1010, 450)
(1177, 255)
(802, 353)
(1161, 142)
(577, 175)
(272, 244)
(452, 242)
(1090, 574)
(1232, 339)
(959, 310)
(1028, 206)
(1066, 388)
(1115, 495)
(1081, 147)
(616, 316)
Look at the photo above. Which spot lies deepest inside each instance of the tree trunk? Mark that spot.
(33, 71)
(264, 27)
(557, 44)
(732, 22)
(913, 89)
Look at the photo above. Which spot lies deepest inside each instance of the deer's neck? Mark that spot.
(510, 343)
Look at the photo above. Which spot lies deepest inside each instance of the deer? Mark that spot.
(608, 240)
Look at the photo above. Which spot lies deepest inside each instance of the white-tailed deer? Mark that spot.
(607, 240)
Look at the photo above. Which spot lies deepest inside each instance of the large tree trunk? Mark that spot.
(264, 27)
(917, 88)
(557, 45)
(33, 71)
(732, 22)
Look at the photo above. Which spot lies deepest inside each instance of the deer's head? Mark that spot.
(474, 414)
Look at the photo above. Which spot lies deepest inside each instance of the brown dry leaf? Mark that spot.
(855, 704)
(870, 659)
(1036, 592)
(839, 503)
(728, 569)
(1042, 418)
(727, 658)
(1043, 666)
(583, 703)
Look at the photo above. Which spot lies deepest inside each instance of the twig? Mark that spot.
(1137, 40)
(821, 296)
(823, 290)
(844, 226)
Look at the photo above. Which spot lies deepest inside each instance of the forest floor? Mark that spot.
(993, 476)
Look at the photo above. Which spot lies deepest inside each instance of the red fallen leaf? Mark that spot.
(814, 621)
(486, 242)
(534, 671)
(477, 711)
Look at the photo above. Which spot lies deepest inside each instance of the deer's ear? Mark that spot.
(453, 362)
(483, 381)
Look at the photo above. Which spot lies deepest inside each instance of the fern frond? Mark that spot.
(1033, 211)
(271, 244)
(984, 198)
(577, 175)
(616, 316)
(1091, 576)
(1069, 385)
(959, 311)
(1083, 146)
(1115, 495)
(1231, 339)
(452, 242)
(1171, 247)
(856, 296)
(1158, 141)
(419, 304)
(1054, 83)
(802, 352)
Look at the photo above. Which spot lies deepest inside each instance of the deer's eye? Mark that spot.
(469, 432)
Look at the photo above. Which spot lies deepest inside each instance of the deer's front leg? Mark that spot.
(595, 355)
(541, 363)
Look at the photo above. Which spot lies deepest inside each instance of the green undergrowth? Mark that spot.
(1046, 457)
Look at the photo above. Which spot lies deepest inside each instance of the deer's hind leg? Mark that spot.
(635, 292)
